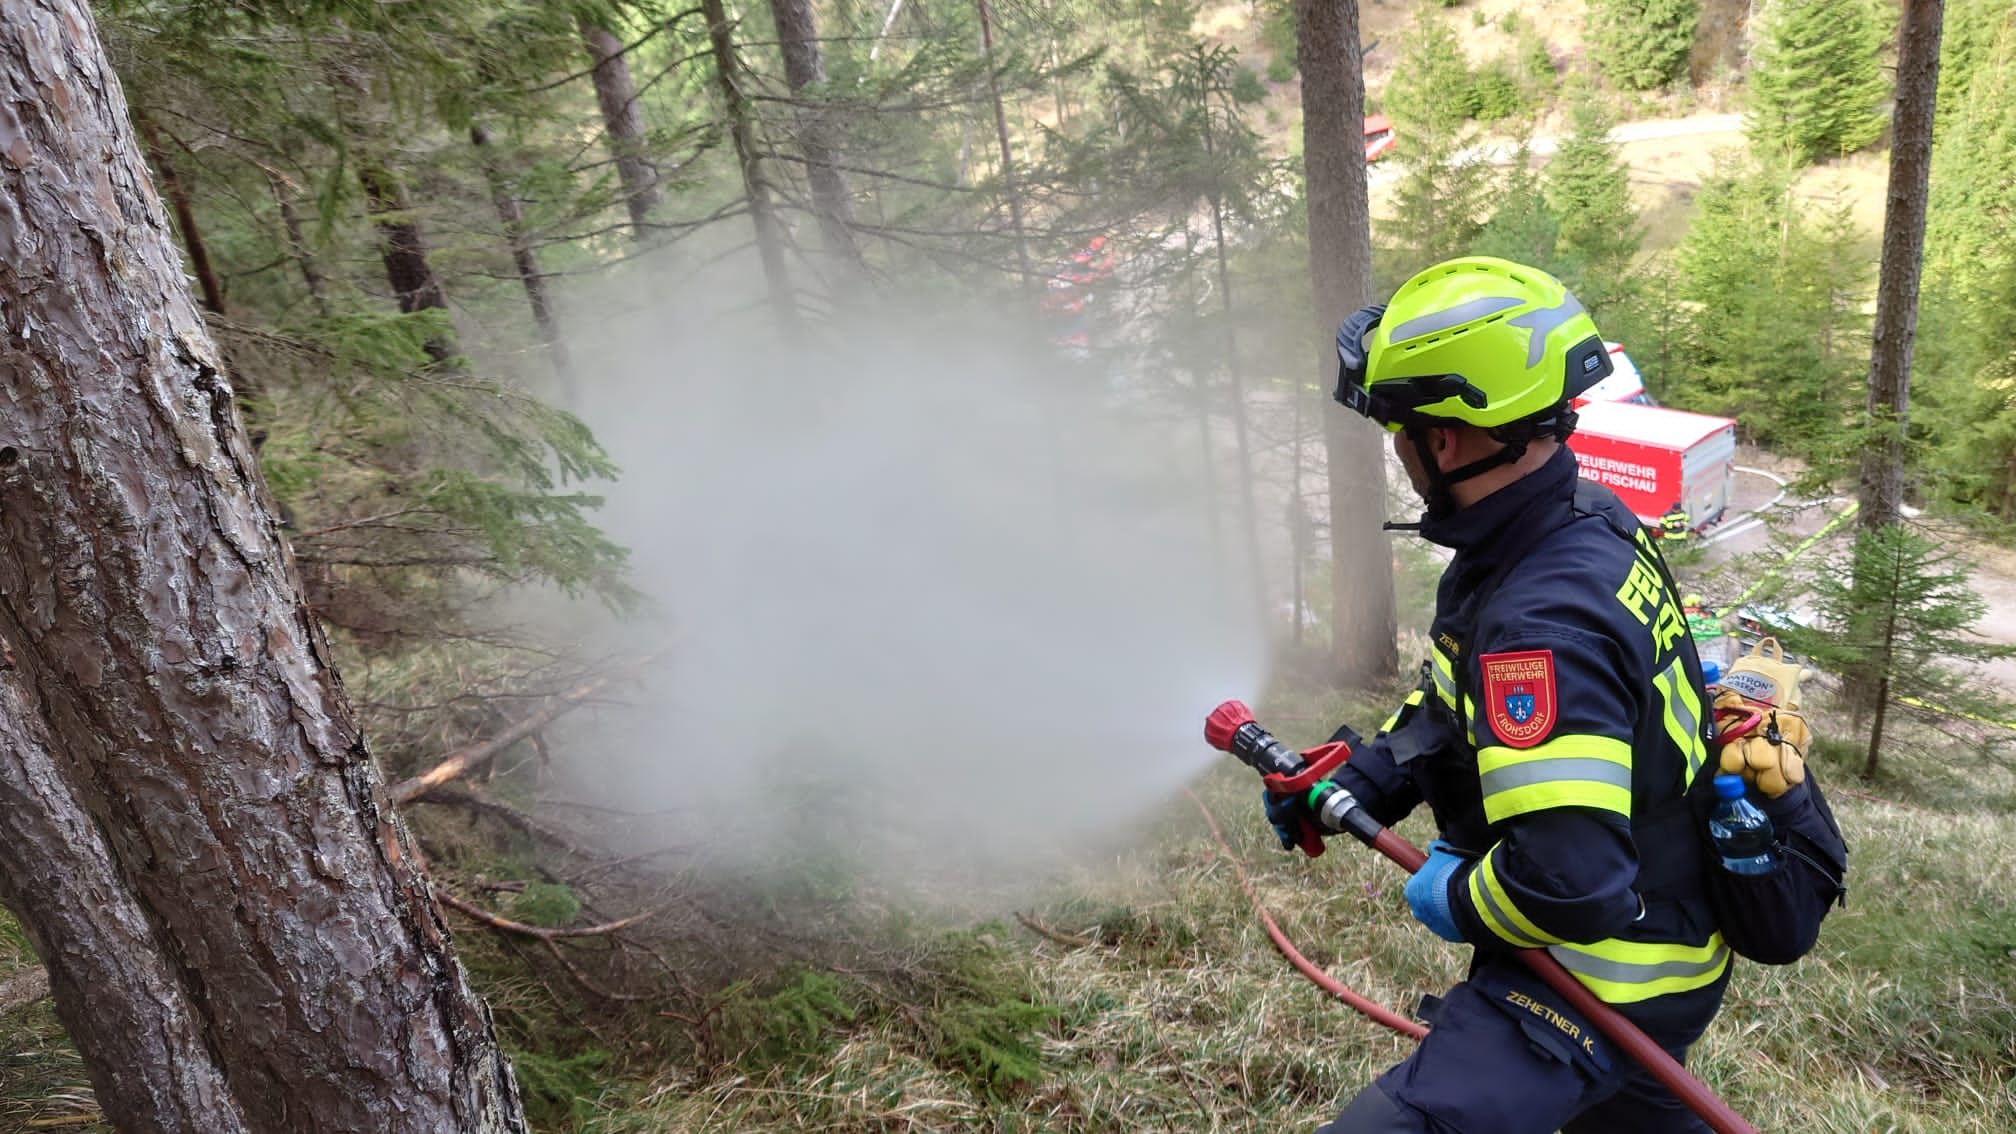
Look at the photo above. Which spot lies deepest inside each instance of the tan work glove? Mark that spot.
(1764, 681)
(1774, 766)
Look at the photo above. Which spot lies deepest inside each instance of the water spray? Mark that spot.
(1231, 728)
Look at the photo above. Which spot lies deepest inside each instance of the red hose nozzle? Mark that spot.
(1225, 720)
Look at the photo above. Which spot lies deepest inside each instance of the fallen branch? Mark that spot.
(479, 754)
(508, 815)
(506, 925)
(583, 980)
(1049, 934)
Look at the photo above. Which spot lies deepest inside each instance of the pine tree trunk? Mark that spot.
(1882, 481)
(403, 248)
(805, 69)
(524, 257)
(741, 129)
(1362, 645)
(297, 244)
(185, 216)
(1869, 761)
(623, 122)
(1241, 427)
(237, 932)
(1008, 182)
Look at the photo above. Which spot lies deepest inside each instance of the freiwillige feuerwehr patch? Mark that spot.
(1519, 695)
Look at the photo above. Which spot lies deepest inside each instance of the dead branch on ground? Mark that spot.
(506, 925)
(475, 756)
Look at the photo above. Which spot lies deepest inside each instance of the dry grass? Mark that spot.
(1182, 1017)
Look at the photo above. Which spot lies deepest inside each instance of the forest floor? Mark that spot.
(1165, 1007)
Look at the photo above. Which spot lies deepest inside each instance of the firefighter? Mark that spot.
(1675, 524)
(1558, 717)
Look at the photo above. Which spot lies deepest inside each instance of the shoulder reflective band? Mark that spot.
(1567, 771)
(1445, 676)
(1413, 701)
(1683, 717)
(1624, 972)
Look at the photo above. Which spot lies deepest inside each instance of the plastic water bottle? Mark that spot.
(1742, 834)
(1711, 672)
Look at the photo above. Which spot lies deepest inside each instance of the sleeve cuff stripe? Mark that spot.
(1497, 911)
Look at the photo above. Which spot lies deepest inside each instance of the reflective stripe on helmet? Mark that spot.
(1453, 317)
(1542, 321)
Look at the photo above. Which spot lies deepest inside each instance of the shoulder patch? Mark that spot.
(1519, 695)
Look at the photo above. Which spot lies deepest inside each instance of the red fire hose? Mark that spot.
(1323, 980)
(1226, 732)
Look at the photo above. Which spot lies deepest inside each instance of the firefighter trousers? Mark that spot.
(1503, 1058)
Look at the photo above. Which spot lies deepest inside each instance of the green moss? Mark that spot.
(547, 904)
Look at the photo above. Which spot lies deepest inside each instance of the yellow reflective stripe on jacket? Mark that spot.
(1624, 972)
(1683, 716)
(1496, 909)
(1445, 677)
(1413, 701)
(1567, 771)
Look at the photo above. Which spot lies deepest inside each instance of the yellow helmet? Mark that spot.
(1475, 339)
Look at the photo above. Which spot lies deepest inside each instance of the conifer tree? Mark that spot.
(1642, 44)
(1588, 189)
(1441, 197)
(1966, 42)
(1901, 612)
(1774, 330)
(1522, 226)
(1966, 353)
(1817, 86)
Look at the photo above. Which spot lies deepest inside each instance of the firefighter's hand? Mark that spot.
(1286, 814)
(1773, 756)
(1427, 892)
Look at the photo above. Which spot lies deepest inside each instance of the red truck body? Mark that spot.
(1658, 459)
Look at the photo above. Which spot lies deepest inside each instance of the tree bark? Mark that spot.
(1362, 619)
(623, 122)
(237, 931)
(1008, 182)
(404, 249)
(524, 257)
(1882, 480)
(805, 70)
(1235, 373)
(185, 216)
(741, 129)
(297, 244)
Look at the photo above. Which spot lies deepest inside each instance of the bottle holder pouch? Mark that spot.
(1774, 918)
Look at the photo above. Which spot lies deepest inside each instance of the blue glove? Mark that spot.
(1428, 891)
(1286, 813)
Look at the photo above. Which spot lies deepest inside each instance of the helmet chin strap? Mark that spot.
(1441, 499)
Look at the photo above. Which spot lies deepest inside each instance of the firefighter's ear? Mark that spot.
(1456, 446)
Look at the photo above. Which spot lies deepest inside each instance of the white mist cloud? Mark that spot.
(923, 591)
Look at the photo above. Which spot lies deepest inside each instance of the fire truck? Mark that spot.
(1659, 461)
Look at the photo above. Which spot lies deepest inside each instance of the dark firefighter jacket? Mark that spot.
(1557, 724)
